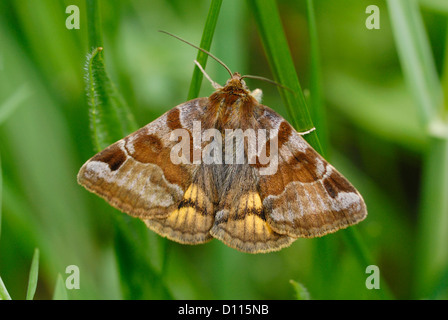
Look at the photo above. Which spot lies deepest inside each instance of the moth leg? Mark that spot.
(306, 132)
(214, 84)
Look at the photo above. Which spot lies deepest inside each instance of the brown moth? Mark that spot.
(193, 202)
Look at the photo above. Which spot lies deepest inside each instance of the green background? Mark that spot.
(380, 91)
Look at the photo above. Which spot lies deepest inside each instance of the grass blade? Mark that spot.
(276, 47)
(60, 292)
(94, 24)
(431, 254)
(300, 291)
(1, 195)
(317, 108)
(14, 101)
(110, 121)
(439, 6)
(195, 87)
(420, 73)
(4, 295)
(34, 274)
(323, 261)
(110, 117)
(279, 57)
(206, 42)
(415, 56)
(139, 279)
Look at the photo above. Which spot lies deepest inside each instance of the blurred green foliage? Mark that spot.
(375, 131)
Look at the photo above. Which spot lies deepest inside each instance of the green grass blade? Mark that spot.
(110, 117)
(60, 292)
(420, 73)
(276, 47)
(444, 115)
(195, 87)
(301, 292)
(1, 195)
(415, 56)
(353, 239)
(99, 135)
(324, 262)
(139, 279)
(431, 253)
(206, 42)
(281, 62)
(14, 101)
(439, 6)
(4, 295)
(110, 121)
(34, 274)
(317, 107)
(94, 24)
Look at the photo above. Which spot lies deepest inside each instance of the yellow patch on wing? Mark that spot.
(250, 202)
(195, 194)
(246, 229)
(252, 227)
(191, 222)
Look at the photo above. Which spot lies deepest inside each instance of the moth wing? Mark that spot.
(304, 196)
(191, 221)
(137, 176)
(240, 221)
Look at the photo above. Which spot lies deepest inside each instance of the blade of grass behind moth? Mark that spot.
(324, 256)
(415, 56)
(110, 117)
(94, 24)
(277, 51)
(4, 295)
(431, 253)
(138, 278)
(1, 195)
(60, 292)
(420, 73)
(445, 82)
(300, 291)
(432, 259)
(16, 99)
(111, 120)
(206, 42)
(351, 235)
(34, 274)
(317, 107)
(195, 87)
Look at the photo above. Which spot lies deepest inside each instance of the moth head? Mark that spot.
(237, 81)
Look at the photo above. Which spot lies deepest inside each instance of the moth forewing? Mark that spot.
(307, 197)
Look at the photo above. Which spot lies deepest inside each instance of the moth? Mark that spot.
(192, 202)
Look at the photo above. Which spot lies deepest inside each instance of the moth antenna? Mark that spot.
(203, 50)
(267, 80)
(214, 84)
